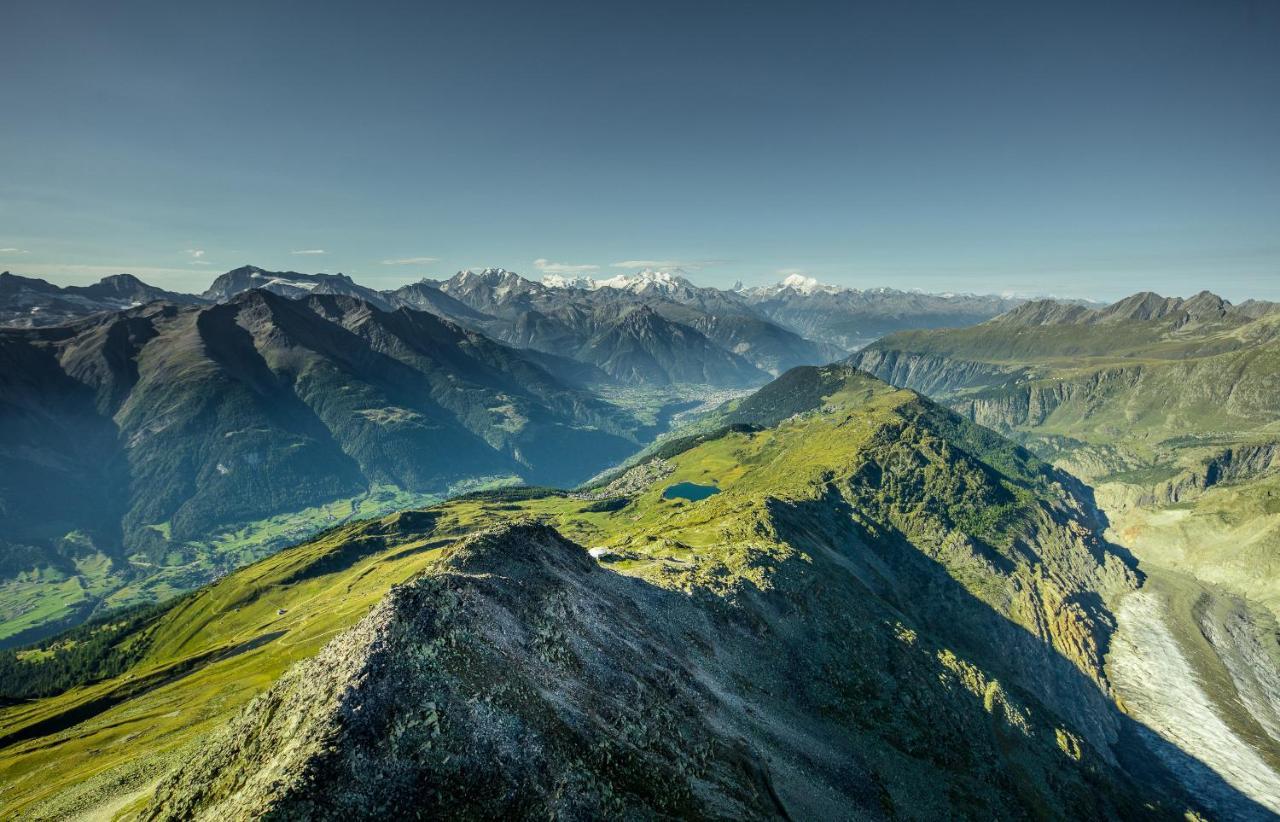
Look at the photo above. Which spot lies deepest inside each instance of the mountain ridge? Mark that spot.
(893, 608)
(1145, 306)
(28, 302)
(767, 326)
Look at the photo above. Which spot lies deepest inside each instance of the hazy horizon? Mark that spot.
(1083, 151)
(85, 278)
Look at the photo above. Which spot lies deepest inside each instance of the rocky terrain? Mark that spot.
(1180, 646)
(885, 611)
(519, 679)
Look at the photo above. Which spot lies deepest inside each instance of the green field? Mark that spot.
(42, 601)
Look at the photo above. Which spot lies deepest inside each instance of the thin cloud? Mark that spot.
(197, 253)
(547, 267)
(309, 251)
(14, 251)
(666, 264)
(412, 261)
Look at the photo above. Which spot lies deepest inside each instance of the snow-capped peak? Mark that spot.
(561, 281)
(492, 276)
(795, 283)
(648, 281)
(499, 282)
(801, 283)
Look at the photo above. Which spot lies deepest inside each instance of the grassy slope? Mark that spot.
(38, 599)
(724, 547)
(159, 722)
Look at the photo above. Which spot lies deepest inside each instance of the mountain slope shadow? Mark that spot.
(229, 442)
(520, 679)
(928, 597)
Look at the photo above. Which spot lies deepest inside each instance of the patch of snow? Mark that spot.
(281, 281)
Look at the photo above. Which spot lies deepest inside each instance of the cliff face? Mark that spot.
(1237, 463)
(1095, 382)
(1032, 404)
(1000, 397)
(930, 374)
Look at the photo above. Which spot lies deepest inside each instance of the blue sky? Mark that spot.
(1080, 149)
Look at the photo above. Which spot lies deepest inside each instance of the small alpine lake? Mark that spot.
(690, 491)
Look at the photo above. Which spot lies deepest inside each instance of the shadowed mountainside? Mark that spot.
(128, 435)
(884, 611)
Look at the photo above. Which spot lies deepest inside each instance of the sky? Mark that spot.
(1080, 149)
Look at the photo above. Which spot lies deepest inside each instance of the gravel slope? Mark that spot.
(1203, 683)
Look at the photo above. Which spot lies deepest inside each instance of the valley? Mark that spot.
(35, 604)
(1091, 612)
(154, 441)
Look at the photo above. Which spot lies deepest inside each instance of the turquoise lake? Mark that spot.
(690, 491)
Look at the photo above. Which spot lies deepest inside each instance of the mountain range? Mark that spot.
(1156, 401)
(745, 336)
(1169, 410)
(324, 553)
(153, 440)
(883, 610)
(26, 302)
(130, 438)
(1051, 588)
